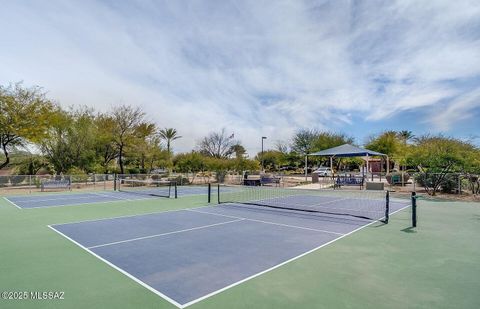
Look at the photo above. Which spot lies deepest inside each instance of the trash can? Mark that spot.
(314, 177)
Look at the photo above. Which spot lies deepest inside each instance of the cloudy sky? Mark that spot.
(255, 67)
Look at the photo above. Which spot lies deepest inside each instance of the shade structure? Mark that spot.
(346, 150)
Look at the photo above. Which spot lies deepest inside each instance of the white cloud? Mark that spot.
(256, 68)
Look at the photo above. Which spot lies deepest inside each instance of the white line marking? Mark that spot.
(281, 264)
(91, 203)
(108, 195)
(12, 203)
(128, 216)
(268, 222)
(219, 290)
(120, 270)
(65, 197)
(164, 234)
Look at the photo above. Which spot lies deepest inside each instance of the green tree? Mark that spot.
(239, 151)
(437, 156)
(308, 141)
(70, 142)
(126, 120)
(386, 142)
(169, 135)
(325, 140)
(105, 146)
(391, 144)
(272, 159)
(406, 136)
(143, 143)
(303, 141)
(24, 117)
(191, 162)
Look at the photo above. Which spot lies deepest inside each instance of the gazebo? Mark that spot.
(347, 150)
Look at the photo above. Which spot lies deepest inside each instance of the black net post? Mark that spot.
(175, 188)
(387, 207)
(414, 209)
(209, 193)
(115, 182)
(218, 193)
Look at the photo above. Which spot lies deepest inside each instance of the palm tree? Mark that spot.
(169, 135)
(405, 135)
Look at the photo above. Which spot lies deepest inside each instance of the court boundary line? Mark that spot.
(164, 211)
(151, 289)
(127, 216)
(95, 193)
(165, 297)
(58, 198)
(268, 222)
(5, 198)
(283, 263)
(166, 233)
(91, 203)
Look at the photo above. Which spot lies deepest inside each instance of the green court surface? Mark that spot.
(436, 265)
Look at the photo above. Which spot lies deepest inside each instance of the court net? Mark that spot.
(164, 188)
(371, 205)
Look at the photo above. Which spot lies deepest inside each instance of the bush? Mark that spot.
(449, 184)
(133, 170)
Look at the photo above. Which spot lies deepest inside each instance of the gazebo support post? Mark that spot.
(306, 167)
(388, 165)
(366, 172)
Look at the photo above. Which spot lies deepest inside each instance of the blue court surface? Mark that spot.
(70, 199)
(188, 255)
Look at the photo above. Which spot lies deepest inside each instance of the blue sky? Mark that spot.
(256, 67)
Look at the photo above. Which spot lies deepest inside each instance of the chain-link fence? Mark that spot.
(21, 184)
(447, 183)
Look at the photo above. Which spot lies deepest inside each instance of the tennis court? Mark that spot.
(124, 194)
(188, 255)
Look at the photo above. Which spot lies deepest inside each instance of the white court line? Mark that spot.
(128, 216)
(111, 196)
(121, 270)
(268, 222)
(91, 203)
(219, 290)
(164, 234)
(281, 264)
(65, 197)
(12, 203)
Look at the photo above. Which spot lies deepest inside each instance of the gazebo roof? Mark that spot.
(346, 150)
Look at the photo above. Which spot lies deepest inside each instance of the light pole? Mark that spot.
(263, 138)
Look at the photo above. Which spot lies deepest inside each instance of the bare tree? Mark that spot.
(218, 144)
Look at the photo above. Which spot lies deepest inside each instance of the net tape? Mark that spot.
(371, 205)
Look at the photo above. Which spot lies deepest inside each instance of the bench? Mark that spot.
(265, 180)
(252, 182)
(55, 184)
(348, 181)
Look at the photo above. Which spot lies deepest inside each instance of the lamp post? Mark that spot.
(263, 138)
